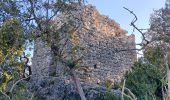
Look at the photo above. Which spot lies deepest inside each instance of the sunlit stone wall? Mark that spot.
(106, 56)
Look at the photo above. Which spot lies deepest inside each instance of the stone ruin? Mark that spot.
(106, 56)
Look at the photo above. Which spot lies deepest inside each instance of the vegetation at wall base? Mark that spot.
(147, 80)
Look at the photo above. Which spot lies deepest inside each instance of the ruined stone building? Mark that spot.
(102, 38)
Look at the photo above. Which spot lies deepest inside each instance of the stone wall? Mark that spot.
(103, 60)
(100, 37)
(102, 24)
(42, 59)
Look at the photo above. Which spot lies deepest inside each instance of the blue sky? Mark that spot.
(142, 8)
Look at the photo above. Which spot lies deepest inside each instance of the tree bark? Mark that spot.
(168, 74)
(78, 85)
(168, 78)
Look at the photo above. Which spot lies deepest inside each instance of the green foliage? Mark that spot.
(147, 75)
(18, 22)
(108, 96)
(11, 46)
(159, 24)
(111, 96)
(19, 92)
(4, 81)
(155, 55)
(12, 40)
(11, 35)
(138, 82)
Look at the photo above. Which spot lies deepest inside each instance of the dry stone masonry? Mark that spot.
(103, 39)
(103, 57)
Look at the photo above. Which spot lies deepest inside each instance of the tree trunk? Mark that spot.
(78, 85)
(168, 74)
(168, 78)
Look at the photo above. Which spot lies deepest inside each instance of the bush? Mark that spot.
(147, 76)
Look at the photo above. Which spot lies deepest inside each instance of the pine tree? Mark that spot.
(160, 33)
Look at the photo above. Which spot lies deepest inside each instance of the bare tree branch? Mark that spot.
(6, 95)
(133, 24)
(17, 83)
(34, 15)
(131, 94)
(122, 98)
(139, 30)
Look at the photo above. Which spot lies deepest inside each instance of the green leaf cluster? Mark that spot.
(146, 78)
(11, 34)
